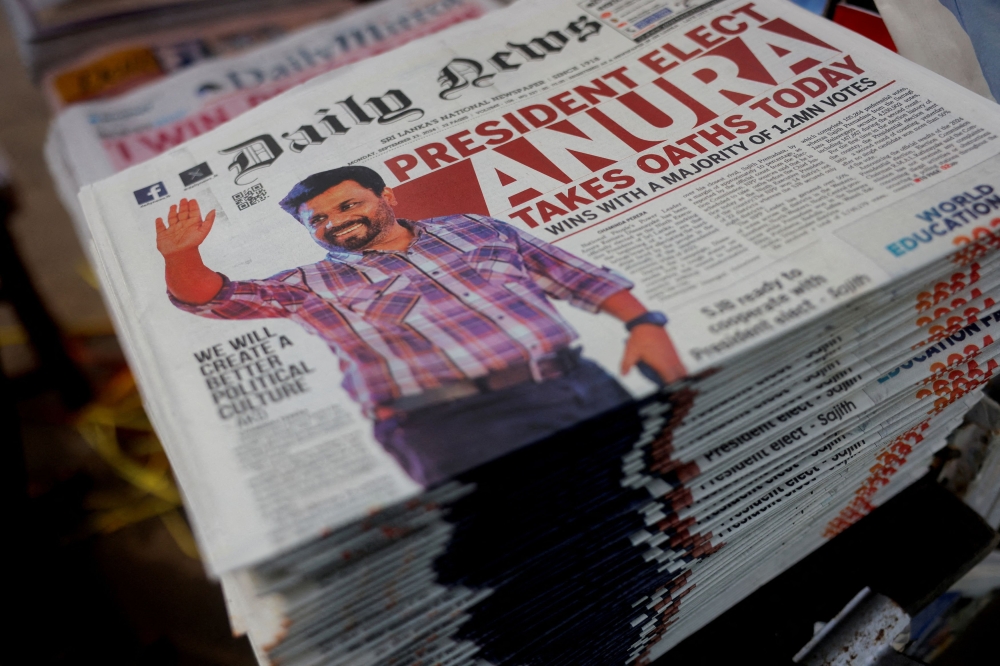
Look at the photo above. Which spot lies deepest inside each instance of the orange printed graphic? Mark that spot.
(936, 305)
(950, 385)
(977, 244)
(888, 462)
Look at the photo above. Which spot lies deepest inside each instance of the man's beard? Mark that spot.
(353, 241)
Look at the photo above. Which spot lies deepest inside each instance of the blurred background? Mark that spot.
(107, 569)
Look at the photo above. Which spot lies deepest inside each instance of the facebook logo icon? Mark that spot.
(151, 193)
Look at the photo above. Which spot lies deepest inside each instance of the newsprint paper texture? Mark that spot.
(742, 167)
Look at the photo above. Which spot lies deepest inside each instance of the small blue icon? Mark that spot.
(151, 193)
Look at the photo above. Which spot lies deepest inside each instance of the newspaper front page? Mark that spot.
(737, 169)
(92, 140)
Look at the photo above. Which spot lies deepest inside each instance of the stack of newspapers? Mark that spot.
(51, 32)
(547, 338)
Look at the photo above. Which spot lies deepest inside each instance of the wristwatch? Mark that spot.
(651, 317)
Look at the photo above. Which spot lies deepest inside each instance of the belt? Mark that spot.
(537, 370)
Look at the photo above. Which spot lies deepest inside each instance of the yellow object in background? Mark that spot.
(106, 74)
(116, 427)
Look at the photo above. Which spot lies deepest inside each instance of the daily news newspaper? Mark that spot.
(93, 140)
(305, 290)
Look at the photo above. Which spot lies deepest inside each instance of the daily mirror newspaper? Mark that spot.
(116, 66)
(324, 297)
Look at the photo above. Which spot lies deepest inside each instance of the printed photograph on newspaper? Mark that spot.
(407, 268)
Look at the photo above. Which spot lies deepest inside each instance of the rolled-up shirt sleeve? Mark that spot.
(563, 275)
(270, 298)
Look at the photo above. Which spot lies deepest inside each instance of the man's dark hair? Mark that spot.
(320, 182)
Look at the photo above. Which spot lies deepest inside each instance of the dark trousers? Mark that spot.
(438, 442)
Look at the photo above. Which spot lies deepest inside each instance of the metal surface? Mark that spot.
(862, 634)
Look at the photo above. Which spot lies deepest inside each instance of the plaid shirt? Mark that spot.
(468, 297)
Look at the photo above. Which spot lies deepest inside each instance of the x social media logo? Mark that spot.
(195, 174)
